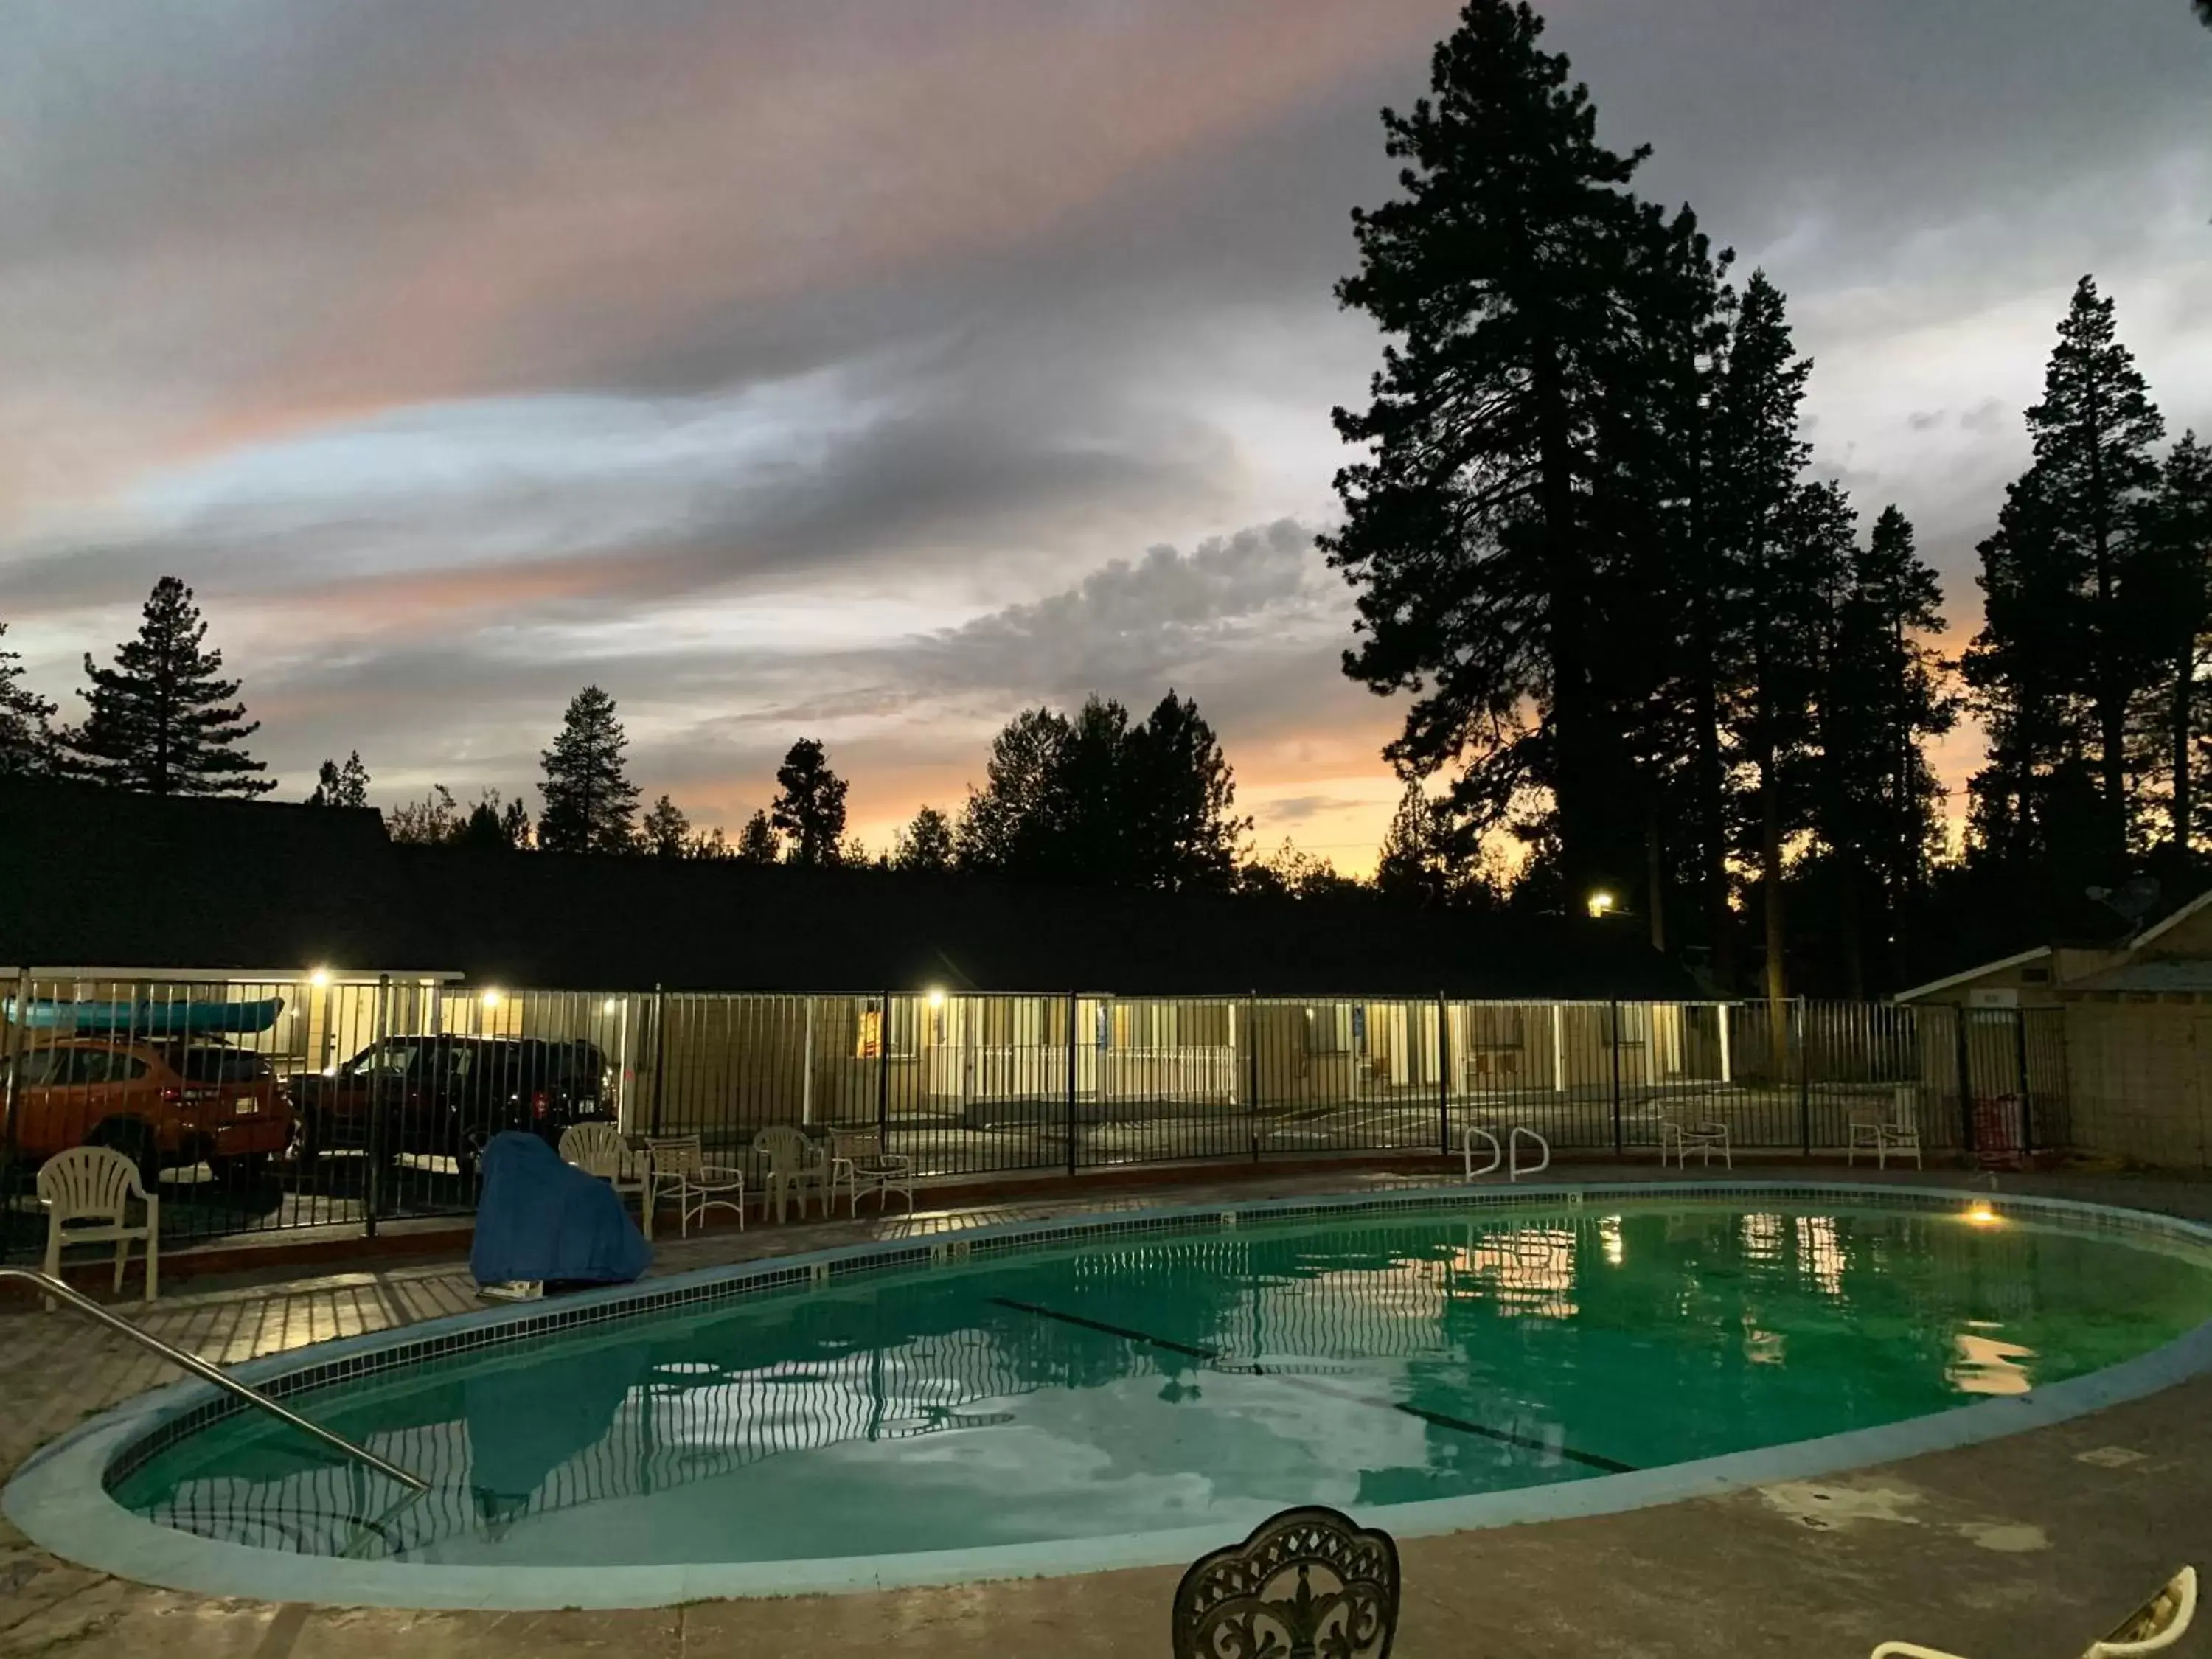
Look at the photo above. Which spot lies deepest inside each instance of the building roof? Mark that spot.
(2152, 973)
(113, 878)
(1951, 980)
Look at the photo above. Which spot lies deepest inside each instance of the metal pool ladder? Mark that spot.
(78, 1302)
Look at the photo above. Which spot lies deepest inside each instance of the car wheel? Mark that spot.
(241, 1171)
(135, 1138)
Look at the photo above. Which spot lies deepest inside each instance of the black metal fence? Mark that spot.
(321, 1100)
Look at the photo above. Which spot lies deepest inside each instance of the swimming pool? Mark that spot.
(1126, 1389)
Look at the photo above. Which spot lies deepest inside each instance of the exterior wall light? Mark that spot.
(1601, 904)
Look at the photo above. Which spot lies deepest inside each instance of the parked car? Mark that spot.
(166, 1104)
(447, 1095)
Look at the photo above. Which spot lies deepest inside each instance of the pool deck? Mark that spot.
(2015, 1549)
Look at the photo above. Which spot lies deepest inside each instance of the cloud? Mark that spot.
(812, 364)
(1988, 416)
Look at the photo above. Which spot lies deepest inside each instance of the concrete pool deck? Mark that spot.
(2027, 1546)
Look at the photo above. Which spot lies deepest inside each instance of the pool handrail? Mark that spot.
(77, 1302)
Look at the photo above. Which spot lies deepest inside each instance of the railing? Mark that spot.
(55, 1291)
(327, 1100)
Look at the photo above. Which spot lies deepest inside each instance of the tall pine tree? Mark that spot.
(1881, 697)
(1181, 796)
(1502, 277)
(589, 800)
(2070, 642)
(1009, 825)
(162, 720)
(1777, 537)
(809, 808)
(27, 737)
(2175, 532)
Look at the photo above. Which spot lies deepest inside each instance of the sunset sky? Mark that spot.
(869, 372)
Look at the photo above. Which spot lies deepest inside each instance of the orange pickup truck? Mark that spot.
(162, 1103)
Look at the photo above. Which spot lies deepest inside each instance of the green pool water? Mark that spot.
(1173, 1382)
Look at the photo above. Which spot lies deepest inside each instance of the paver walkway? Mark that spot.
(2022, 1547)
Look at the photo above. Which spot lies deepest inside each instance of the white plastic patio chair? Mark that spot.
(795, 1168)
(97, 1184)
(2158, 1624)
(678, 1164)
(598, 1149)
(1680, 1139)
(858, 1163)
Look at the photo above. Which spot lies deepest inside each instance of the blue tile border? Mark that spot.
(59, 1497)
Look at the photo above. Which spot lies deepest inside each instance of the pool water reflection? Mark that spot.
(1169, 1380)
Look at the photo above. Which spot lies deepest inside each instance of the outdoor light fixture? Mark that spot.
(1982, 1216)
(935, 997)
(321, 977)
(609, 1006)
(1601, 904)
(490, 998)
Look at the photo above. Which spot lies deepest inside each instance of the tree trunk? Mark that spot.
(2110, 689)
(1851, 886)
(2181, 719)
(1655, 883)
(1566, 592)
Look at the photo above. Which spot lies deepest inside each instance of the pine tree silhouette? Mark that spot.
(589, 802)
(161, 721)
(27, 737)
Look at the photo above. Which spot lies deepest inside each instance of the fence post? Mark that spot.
(883, 1071)
(373, 1195)
(1965, 1064)
(1071, 1013)
(18, 1014)
(659, 1054)
(2026, 1094)
(1443, 1075)
(1804, 1080)
(1613, 1043)
(1252, 1074)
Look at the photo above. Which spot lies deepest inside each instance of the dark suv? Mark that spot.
(447, 1095)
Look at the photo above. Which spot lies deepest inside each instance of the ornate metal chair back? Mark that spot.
(1308, 1583)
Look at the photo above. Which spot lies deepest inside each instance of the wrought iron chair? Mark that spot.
(858, 1164)
(1308, 1583)
(1678, 1139)
(678, 1164)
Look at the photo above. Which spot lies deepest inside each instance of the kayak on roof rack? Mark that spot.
(143, 1018)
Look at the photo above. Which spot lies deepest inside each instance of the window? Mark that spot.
(95, 1065)
(385, 1060)
(40, 1067)
(1329, 1029)
(213, 1065)
(904, 1024)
